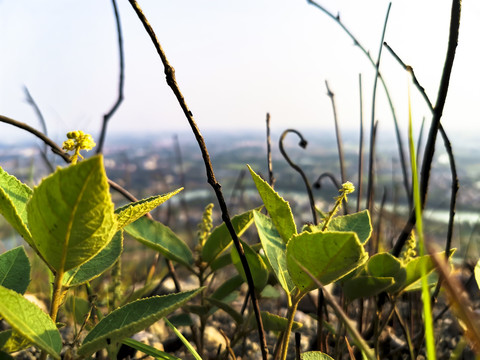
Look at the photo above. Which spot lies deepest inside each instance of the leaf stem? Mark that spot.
(292, 309)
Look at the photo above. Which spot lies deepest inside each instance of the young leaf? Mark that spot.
(278, 209)
(275, 250)
(162, 239)
(13, 199)
(70, 214)
(15, 270)
(257, 266)
(360, 223)
(30, 322)
(96, 265)
(133, 211)
(220, 238)
(328, 256)
(131, 318)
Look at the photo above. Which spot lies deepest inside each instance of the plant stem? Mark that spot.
(435, 125)
(172, 82)
(370, 183)
(121, 80)
(57, 296)
(303, 144)
(292, 309)
(331, 95)
(271, 179)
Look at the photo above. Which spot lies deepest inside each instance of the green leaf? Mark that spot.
(387, 265)
(314, 355)
(360, 223)
(11, 341)
(275, 250)
(220, 238)
(79, 307)
(96, 265)
(149, 350)
(229, 286)
(70, 214)
(327, 256)
(15, 270)
(365, 286)
(132, 318)
(273, 322)
(220, 262)
(278, 209)
(183, 340)
(13, 199)
(257, 267)
(162, 239)
(236, 316)
(133, 211)
(30, 322)
(414, 268)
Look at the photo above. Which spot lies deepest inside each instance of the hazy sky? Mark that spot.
(234, 60)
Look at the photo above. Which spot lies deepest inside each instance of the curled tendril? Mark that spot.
(318, 184)
(303, 144)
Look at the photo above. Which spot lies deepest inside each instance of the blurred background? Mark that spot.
(236, 61)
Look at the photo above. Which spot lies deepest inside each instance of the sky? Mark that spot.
(234, 62)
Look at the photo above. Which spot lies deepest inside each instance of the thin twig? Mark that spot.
(43, 123)
(435, 124)
(360, 146)
(171, 81)
(271, 179)
(121, 81)
(401, 151)
(370, 183)
(331, 95)
(181, 177)
(55, 148)
(303, 144)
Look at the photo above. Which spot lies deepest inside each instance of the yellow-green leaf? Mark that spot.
(70, 214)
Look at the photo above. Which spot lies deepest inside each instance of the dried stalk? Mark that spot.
(331, 95)
(121, 81)
(401, 151)
(370, 183)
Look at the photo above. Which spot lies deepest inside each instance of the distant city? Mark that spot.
(149, 165)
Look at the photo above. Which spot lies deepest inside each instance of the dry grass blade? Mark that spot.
(460, 303)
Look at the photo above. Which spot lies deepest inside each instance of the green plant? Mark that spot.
(70, 223)
(332, 251)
